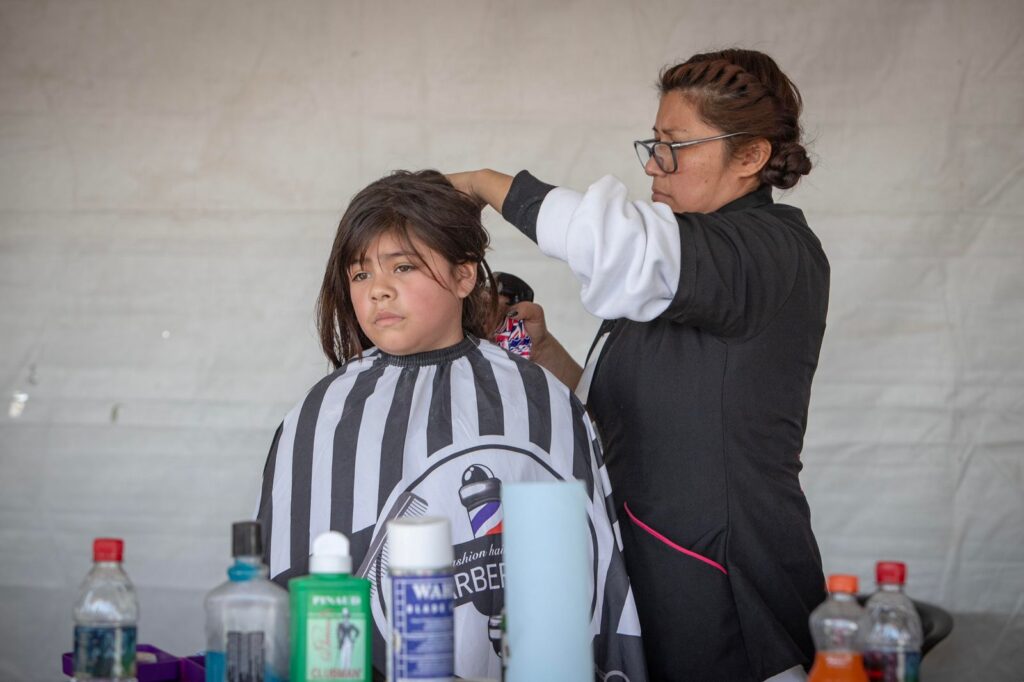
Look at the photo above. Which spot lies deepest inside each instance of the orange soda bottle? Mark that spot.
(836, 628)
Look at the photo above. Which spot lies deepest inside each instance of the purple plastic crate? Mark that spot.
(193, 669)
(164, 669)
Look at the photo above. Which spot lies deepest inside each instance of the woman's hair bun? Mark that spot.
(788, 163)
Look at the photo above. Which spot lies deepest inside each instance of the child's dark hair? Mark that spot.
(421, 205)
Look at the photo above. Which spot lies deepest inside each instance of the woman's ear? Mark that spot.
(465, 279)
(752, 158)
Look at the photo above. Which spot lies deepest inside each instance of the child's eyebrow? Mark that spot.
(387, 256)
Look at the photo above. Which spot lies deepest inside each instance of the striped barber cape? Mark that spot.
(437, 433)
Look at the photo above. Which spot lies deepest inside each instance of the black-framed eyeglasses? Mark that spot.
(664, 153)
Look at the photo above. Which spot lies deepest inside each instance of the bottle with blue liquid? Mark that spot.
(105, 618)
(247, 617)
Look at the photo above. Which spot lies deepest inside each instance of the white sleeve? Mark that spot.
(625, 253)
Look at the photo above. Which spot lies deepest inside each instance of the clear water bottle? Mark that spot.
(836, 626)
(247, 617)
(892, 642)
(106, 616)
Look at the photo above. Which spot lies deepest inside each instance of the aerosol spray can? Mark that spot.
(511, 334)
(421, 608)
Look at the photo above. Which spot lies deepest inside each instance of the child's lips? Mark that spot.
(386, 319)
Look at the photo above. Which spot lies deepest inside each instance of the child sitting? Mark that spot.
(422, 416)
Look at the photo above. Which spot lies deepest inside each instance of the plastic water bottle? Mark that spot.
(247, 617)
(836, 626)
(106, 616)
(892, 642)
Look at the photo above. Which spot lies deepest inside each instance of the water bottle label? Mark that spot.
(104, 652)
(217, 670)
(892, 666)
(336, 629)
(245, 658)
(423, 626)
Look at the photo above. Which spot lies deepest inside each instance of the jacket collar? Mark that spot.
(761, 196)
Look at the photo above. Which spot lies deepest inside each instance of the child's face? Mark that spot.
(398, 302)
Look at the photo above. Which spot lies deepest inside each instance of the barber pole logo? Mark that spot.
(481, 496)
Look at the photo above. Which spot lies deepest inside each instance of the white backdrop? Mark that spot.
(171, 175)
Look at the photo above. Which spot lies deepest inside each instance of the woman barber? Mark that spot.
(714, 300)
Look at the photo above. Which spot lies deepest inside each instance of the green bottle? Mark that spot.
(332, 627)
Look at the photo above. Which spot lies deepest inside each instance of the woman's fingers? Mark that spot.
(533, 315)
(463, 182)
(484, 186)
(546, 351)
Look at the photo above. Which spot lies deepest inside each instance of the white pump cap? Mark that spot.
(330, 554)
(420, 544)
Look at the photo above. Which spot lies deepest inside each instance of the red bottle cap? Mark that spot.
(107, 549)
(890, 572)
(842, 583)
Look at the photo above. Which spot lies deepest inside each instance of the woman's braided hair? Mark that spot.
(745, 91)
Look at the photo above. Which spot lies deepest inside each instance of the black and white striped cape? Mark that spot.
(436, 433)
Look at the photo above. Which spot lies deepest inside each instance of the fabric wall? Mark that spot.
(171, 174)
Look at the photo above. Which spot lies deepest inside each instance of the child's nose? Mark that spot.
(381, 290)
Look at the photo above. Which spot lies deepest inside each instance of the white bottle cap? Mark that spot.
(330, 554)
(420, 544)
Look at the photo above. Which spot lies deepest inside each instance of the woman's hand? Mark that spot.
(536, 326)
(464, 183)
(483, 186)
(545, 349)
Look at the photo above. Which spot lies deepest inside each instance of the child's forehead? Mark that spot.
(393, 244)
(392, 241)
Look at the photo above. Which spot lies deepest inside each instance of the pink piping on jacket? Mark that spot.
(699, 557)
